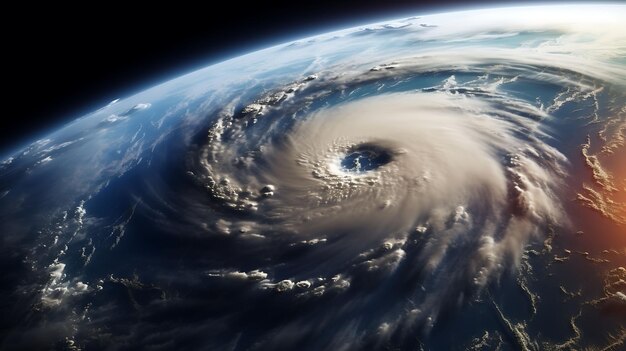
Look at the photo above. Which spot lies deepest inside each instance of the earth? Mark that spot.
(453, 181)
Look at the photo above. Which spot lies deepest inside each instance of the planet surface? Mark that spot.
(452, 181)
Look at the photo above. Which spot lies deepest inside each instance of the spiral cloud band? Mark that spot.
(467, 183)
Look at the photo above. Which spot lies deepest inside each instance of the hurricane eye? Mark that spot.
(365, 157)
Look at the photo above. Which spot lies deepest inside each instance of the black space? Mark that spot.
(62, 62)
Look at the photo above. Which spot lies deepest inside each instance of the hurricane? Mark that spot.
(376, 187)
